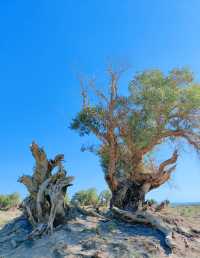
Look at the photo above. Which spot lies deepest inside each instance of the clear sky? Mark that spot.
(45, 43)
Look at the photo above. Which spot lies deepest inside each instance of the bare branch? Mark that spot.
(168, 162)
(163, 174)
(84, 92)
(115, 75)
(98, 92)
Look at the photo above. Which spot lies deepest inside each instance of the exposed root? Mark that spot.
(38, 231)
(90, 212)
(147, 218)
(41, 229)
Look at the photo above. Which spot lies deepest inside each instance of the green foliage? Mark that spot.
(90, 119)
(151, 201)
(162, 103)
(90, 197)
(85, 197)
(158, 107)
(9, 201)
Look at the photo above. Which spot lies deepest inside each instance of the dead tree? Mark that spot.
(45, 205)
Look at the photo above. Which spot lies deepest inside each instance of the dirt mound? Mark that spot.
(89, 236)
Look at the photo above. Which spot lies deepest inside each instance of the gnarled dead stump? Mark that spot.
(45, 207)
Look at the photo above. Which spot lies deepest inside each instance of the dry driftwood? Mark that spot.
(146, 217)
(45, 205)
(91, 212)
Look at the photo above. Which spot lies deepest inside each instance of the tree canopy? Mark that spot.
(158, 107)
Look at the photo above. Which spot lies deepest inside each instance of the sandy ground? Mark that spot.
(91, 237)
(6, 216)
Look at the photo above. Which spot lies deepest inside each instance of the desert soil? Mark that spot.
(88, 236)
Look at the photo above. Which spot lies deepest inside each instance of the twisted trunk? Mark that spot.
(45, 206)
(129, 194)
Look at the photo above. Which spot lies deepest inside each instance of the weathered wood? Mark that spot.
(91, 212)
(146, 218)
(45, 203)
(130, 193)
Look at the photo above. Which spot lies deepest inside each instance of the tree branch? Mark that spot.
(168, 162)
(164, 173)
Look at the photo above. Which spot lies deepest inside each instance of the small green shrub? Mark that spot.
(152, 201)
(9, 201)
(85, 197)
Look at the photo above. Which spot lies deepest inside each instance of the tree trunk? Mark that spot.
(130, 193)
(128, 196)
(44, 207)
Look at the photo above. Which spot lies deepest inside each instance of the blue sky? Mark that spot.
(44, 44)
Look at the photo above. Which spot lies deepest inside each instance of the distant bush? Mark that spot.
(9, 201)
(167, 202)
(151, 202)
(85, 197)
(90, 197)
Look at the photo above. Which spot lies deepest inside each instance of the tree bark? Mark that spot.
(45, 204)
(147, 218)
(130, 193)
(129, 196)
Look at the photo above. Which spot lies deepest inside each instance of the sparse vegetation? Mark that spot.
(189, 211)
(9, 201)
(85, 197)
(90, 197)
(151, 202)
